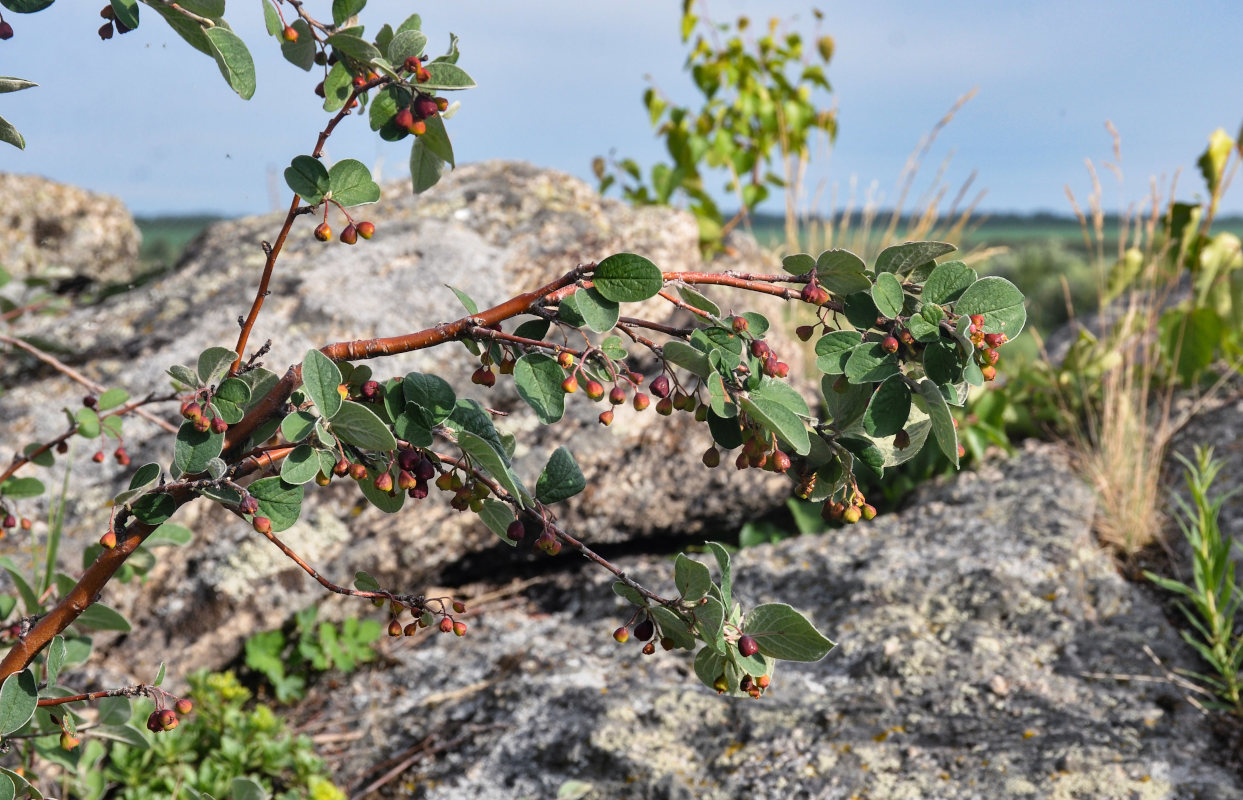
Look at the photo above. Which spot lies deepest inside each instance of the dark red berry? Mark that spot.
(515, 531)
(425, 106)
(747, 645)
(349, 234)
(262, 524)
(218, 425)
(889, 344)
(6, 30)
(644, 630)
(369, 390)
(660, 386)
(617, 396)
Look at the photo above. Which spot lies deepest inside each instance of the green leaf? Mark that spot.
(19, 697)
(126, 12)
(710, 622)
(246, 789)
(902, 258)
(889, 408)
(561, 478)
(143, 480)
(781, 632)
(947, 282)
(10, 135)
(234, 60)
(351, 183)
(154, 508)
(431, 393)
(169, 534)
(941, 363)
(272, 19)
(436, 139)
(468, 415)
(308, 178)
(56, 652)
(426, 168)
(213, 363)
(833, 350)
(278, 501)
(363, 582)
(628, 594)
(486, 457)
(689, 358)
(1193, 336)
(100, 617)
(112, 398)
(14, 84)
(159, 675)
(320, 379)
(691, 578)
(231, 399)
(778, 419)
(887, 294)
(725, 431)
(999, 301)
(25, 6)
(342, 10)
(840, 261)
(869, 363)
(497, 516)
(447, 77)
(355, 47)
(407, 44)
(672, 626)
(722, 561)
(300, 466)
(860, 310)
(337, 86)
(88, 423)
(18, 488)
(194, 448)
(695, 299)
(467, 301)
(183, 375)
(29, 598)
(125, 734)
(942, 421)
(302, 52)
(43, 459)
(300, 424)
(538, 378)
(782, 393)
(627, 278)
(798, 264)
(22, 785)
(600, 313)
(358, 425)
(709, 665)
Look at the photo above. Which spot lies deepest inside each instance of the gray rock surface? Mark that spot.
(986, 649)
(494, 230)
(59, 232)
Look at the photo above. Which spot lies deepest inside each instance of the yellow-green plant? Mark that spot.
(1211, 601)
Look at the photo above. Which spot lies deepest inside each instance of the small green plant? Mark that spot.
(287, 661)
(224, 740)
(1213, 599)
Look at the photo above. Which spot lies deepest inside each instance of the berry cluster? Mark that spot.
(351, 231)
(411, 118)
(986, 344)
(645, 631)
(424, 618)
(165, 719)
(197, 414)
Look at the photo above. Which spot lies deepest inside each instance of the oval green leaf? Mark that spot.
(947, 282)
(781, 632)
(887, 294)
(869, 363)
(279, 501)
(308, 179)
(627, 278)
(19, 697)
(889, 408)
(942, 422)
(780, 420)
(300, 466)
(352, 184)
(902, 258)
(561, 478)
(999, 301)
(599, 312)
(358, 425)
(193, 448)
(234, 60)
(320, 379)
(833, 350)
(538, 378)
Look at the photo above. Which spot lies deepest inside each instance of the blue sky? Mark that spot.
(560, 82)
